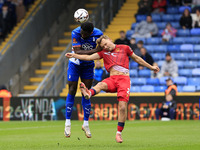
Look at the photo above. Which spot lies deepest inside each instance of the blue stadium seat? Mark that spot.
(194, 81)
(141, 39)
(144, 73)
(129, 33)
(194, 56)
(175, 25)
(180, 80)
(180, 64)
(182, 8)
(198, 89)
(133, 65)
(156, 17)
(133, 73)
(135, 89)
(152, 81)
(177, 17)
(185, 72)
(147, 88)
(158, 56)
(196, 48)
(161, 25)
(138, 81)
(160, 33)
(133, 26)
(178, 40)
(162, 80)
(172, 10)
(173, 48)
(183, 32)
(195, 32)
(140, 18)
(192, 40)
(150, 48)
(160, 62)
(196, 72)
(160, 48)
(154, 40)
(189, 88)
(180, 88)
(167, 17)
(190, 64)
(198, 64)
(160, 88)
(180, 56)
(186, 48)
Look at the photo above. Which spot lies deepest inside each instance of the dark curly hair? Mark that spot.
(87, 27)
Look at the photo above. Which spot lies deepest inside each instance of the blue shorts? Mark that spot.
(84, 71)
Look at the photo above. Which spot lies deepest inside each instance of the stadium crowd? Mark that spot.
(11, 13)
(167, 34)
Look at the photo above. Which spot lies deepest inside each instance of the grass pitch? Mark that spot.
(137, 135)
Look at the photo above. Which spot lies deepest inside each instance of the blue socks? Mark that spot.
(69, 105)
(86, 108)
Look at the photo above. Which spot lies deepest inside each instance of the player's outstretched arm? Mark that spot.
(78, 50)
(140, 61)
(94, 56)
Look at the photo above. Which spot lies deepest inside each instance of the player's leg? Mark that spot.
(72, 76)
(123, 92)
(94, 90)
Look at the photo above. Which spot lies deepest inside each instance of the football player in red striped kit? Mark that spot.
(116, 62)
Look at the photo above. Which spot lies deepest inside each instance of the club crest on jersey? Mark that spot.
(87, 46)
(117, 49)
(109, 53)
(74, 40)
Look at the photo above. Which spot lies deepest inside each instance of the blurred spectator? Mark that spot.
(133, 44)
(6, 22)
(20, 9)
(186, 20)
(168, 109)
(146, 29)
(175, 2)
(159, 6)
(195, 5)
(168, 33)
(144, 6)
(153, 74)
(169, 67)
(196, 19)
(122, 39)
(187, 2)
(146, 56)
(4, 92)
(139, 46)
(98, 73)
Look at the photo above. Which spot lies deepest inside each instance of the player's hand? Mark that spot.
(69, 55)
(156, 69)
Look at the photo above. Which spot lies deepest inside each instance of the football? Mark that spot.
(81, 15)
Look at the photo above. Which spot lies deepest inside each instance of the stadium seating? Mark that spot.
(172, 10)
(196, 72)
(183, 32)
(140, 18)
(133, 73)
(196, 48)
(186, 48)
(144, 73)
(180, 80)
(135, 89)
(185, 72)
(162, 80)
(160, 88)
(173, 48)
(182, 8)
(194, 56)
(133, 65)
(195, 32)
(167, 17)
(194, 81)
(147, 88)
(152, 81)
(138, 81)
(189, 88)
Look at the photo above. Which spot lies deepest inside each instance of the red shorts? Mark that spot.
(120, 84)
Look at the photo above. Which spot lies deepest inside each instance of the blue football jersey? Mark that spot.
(85, 44)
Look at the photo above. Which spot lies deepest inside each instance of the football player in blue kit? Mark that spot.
(83, 42)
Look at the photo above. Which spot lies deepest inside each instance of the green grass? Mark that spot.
(137, 135)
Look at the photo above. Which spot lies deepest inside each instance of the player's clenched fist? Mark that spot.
(156, 69)
(69, 55)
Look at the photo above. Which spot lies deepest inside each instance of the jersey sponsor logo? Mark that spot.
(69, 76)
(74, 41)
(87, 46)
(93, 39)
(112, 54)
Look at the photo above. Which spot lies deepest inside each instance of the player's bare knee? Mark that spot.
(122, 108)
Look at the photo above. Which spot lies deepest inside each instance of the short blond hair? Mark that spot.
(98, 41)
